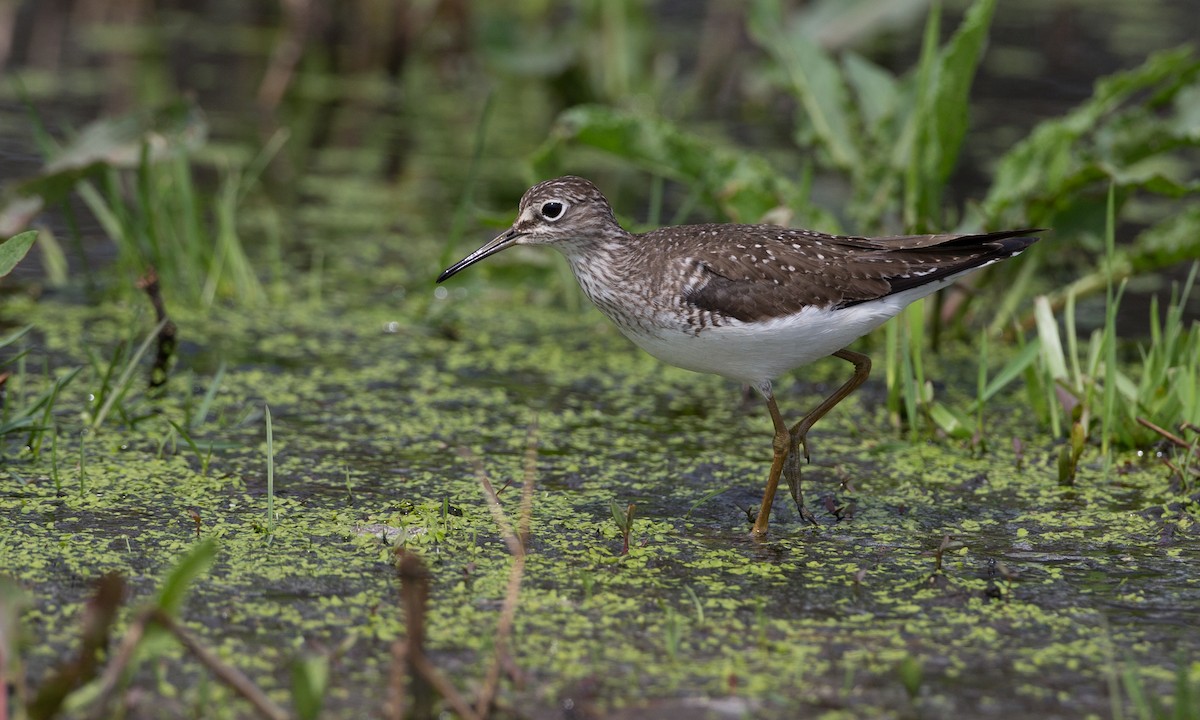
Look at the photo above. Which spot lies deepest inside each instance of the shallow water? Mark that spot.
(367, 427)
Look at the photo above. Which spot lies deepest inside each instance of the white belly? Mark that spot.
(755, 352)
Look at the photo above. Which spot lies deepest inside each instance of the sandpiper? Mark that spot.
(749, 302)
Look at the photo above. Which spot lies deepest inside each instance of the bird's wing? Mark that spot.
(758, 272)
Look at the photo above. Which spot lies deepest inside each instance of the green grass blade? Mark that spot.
(1051, 340)
(179, 580)
(209, 395)
(1009, 372)
(270, 472)
(14, 336)
(1110, 334)
(119, 388)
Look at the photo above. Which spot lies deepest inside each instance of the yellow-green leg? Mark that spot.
(781, 444)
(787, 443)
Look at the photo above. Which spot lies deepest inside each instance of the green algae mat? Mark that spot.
(941, 580)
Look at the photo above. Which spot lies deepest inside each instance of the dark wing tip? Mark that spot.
(1015, 245)
(979, 250)
(1006, 243)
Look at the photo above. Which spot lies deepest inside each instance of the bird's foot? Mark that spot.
(799, 439)
(793, 471)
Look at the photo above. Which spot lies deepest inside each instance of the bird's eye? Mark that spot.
(553, 210)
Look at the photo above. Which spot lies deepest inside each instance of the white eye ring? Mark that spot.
(553, 210)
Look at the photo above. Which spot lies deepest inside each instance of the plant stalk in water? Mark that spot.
(270, 473)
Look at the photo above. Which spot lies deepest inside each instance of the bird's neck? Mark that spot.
(599, 254)
(604, 270)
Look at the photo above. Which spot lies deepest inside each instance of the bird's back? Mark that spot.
(758, 272)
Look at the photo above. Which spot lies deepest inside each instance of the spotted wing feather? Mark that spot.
(758, 272)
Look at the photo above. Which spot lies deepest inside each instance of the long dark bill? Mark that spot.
(492, 247)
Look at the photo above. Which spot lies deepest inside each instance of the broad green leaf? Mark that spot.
(950, 420)
(121, 142)
(911, 674)
(956, 68)
(14, 600)
(1173, 240)
(1062, 154)
(310, 680)
(619, 515)
(943, 89)
(875, 90)
(920, 133)
(854, 23)
(815, 79)
(1187, 112)
(14, 249)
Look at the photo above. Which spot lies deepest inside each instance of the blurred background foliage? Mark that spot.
(264, 151)
(855, 116)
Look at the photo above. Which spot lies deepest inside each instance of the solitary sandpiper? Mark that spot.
(748, 302)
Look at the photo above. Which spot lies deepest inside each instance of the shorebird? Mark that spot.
(748, 302)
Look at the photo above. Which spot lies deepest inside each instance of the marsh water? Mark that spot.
(944, 578)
